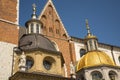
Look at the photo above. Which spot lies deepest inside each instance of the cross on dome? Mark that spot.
(34, 11)
(34, 7)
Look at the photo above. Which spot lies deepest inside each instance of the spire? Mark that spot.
(34, 16)
(87, 27)
(90, 40)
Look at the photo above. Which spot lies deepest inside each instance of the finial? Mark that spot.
(87, 26)
(50, 0)
(34, 11)
(34, 7)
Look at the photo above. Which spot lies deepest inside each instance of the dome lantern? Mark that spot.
(91, 41)
(34, 26)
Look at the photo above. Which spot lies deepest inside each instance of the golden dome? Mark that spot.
(94, 58)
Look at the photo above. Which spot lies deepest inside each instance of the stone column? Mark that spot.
(105, 74)
(87, 75)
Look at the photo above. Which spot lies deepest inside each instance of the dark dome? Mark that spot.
(35, 41)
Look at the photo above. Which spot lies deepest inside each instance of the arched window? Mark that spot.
(29, 62)
(96, 75)
(32, 25)
(51, 29)
(95, 42)
(64, 35)
(112, 75)
(44, 21)
(37, 28)
(50, 10)
(91, 44)
(119, 59)
(57, 26)
(82, 52)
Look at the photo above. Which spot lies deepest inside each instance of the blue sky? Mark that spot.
(103, 17)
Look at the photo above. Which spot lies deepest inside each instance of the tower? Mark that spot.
(9, 12)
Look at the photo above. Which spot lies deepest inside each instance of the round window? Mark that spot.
(29, 62)
(47, 64)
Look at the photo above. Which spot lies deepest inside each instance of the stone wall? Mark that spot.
(6, 56)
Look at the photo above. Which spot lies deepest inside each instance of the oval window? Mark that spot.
(29, 62)
(47, 64)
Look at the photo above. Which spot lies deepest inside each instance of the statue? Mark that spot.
(65, 70)
(72, 68)
(22, 62)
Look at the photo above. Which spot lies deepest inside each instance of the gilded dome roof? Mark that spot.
(94, 58)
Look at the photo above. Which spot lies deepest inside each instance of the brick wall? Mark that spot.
(8, 18)
(8, 33)
(8, 10)
(54, 30)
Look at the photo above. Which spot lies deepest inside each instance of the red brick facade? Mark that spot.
(8, 10)
(8, 15)
(8, 33)
(54, 30)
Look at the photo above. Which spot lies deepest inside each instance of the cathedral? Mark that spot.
(43, 49)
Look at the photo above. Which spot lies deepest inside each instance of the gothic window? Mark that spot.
(112, 75)
(82, 52)
(96, 75)
(119, 59)
(32, 25)
(64, 35)
(57, 26)
(29, 62)
(50, 10)
(43, 19)
(57, 31)
(50, 29)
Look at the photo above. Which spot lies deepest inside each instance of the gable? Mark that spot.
(52, 24)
